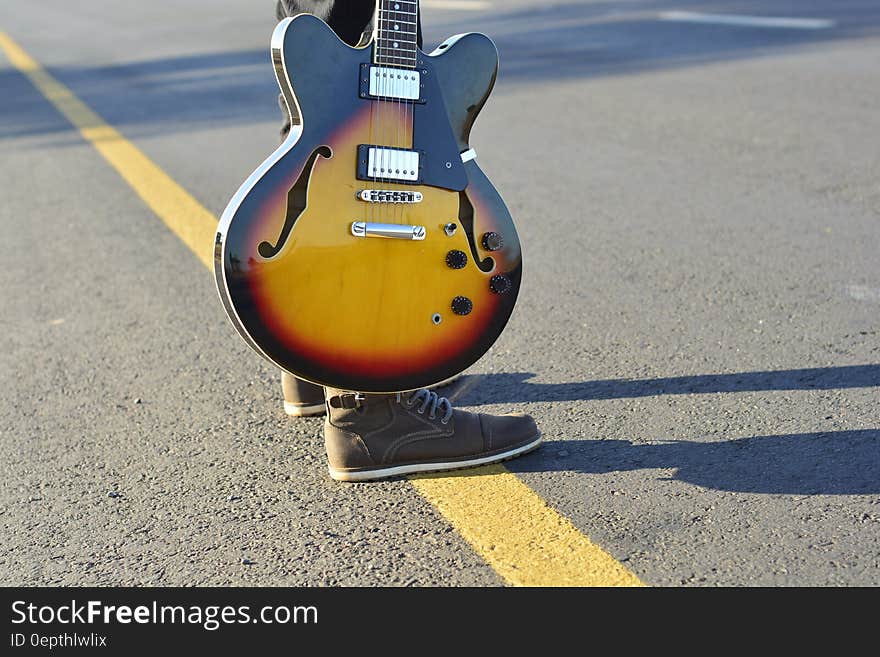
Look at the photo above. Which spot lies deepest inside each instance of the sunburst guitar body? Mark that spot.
(369, 252)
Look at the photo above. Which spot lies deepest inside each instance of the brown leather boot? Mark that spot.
(376, 436)
(301, 398)
(304, 399)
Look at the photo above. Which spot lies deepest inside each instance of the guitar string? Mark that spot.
(396, 111)
(377, 139)
(384, 91)
(374, 118)
(383, 146)
(387, 123)
(413, 31)
(410, 33)
(398, 213)
(403, 110)
(384, 159)
(377, 158)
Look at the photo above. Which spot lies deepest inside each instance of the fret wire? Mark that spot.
(402, 14)
(388, 58)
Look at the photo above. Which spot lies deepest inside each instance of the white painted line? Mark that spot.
(747, 21)
(463, 5)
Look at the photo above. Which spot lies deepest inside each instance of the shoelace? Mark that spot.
(428, 399)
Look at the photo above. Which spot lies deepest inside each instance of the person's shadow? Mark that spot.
(515, 387)
(825, 463)
(819, 463)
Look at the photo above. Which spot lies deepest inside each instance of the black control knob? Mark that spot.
(492, 241)
(500, 284)
(462, 306)
(456, 259)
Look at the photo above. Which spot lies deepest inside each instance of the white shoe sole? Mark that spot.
(299, 410)
(383, 473)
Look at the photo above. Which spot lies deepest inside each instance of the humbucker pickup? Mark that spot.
(389, 196)
(379, 163)
(386, 83)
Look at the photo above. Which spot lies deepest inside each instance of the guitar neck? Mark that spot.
(396, 33)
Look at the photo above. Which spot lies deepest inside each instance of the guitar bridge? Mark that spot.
(389, 196)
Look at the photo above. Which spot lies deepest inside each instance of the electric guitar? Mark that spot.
(370, 252)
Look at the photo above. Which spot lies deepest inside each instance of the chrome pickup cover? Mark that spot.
(392, 164)
(397, 83)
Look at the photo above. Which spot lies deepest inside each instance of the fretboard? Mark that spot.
(396, 33)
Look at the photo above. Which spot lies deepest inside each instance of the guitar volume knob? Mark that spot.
(462, 306)
(492, 241)
(456, 259)
(500, 284)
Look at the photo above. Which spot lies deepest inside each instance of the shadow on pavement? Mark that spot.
(150, 97)
(515, 387)
(822, 463)
(589, 39)
(575, 40)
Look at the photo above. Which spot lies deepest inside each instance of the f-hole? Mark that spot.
(466, 219)
(296, 203)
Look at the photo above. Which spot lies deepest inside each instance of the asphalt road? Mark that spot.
(697, 334)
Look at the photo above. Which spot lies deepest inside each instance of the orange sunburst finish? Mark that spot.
(353, 312)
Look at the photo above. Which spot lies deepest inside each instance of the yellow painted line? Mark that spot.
(194, 224)
(525, 541)
(513, 529)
